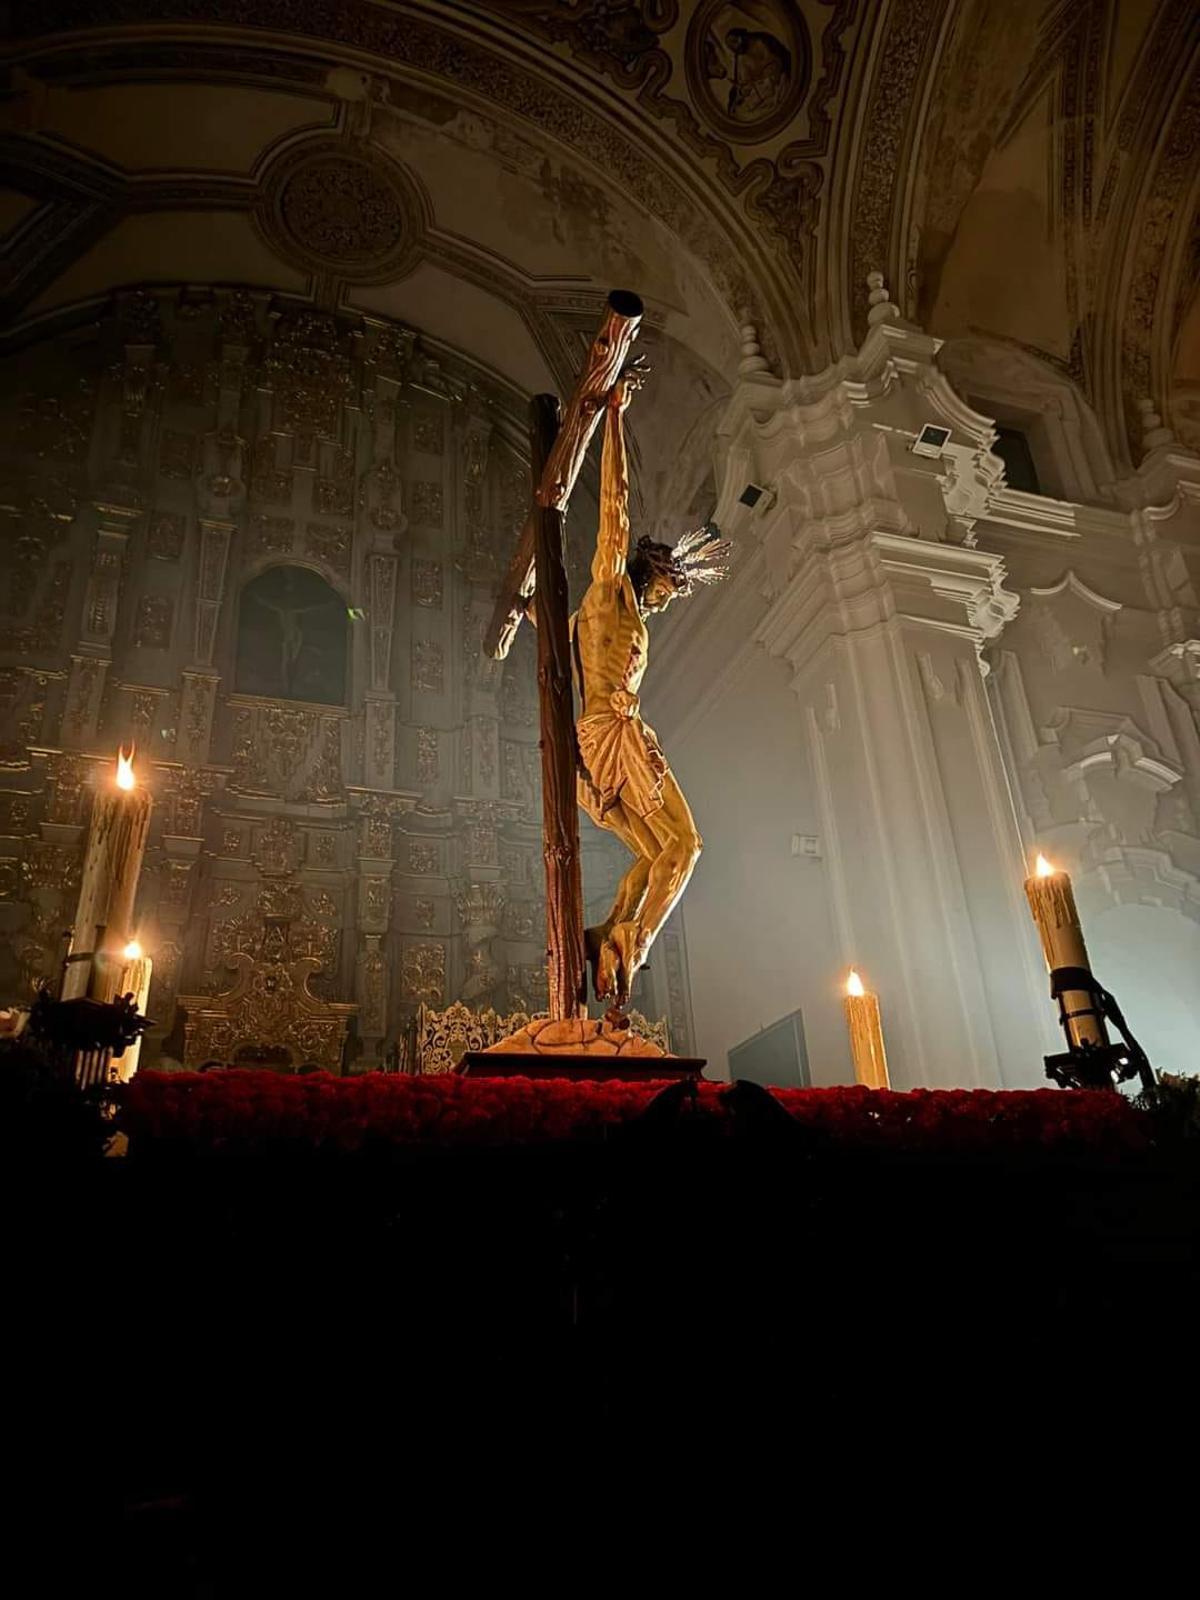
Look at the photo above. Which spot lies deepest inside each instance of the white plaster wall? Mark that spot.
(760, 941)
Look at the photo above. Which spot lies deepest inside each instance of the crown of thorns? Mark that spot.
(701, 556)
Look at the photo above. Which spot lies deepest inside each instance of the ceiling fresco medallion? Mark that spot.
(342, 208)
(748, 66)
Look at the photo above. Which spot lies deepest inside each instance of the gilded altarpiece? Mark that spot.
(262, 542)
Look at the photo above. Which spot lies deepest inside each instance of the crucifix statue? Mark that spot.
(607, 761)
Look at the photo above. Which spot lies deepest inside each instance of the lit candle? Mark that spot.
(135, 980)
(1052, 901)
(866, 1034)
(112, 864)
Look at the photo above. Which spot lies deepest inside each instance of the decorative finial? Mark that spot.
(753, 361)
(1154, 433)
(882, 308)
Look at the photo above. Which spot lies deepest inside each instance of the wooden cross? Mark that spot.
(557, 454)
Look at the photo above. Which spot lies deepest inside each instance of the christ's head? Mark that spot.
(657, 577)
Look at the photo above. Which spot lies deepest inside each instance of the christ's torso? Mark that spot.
(611, 642)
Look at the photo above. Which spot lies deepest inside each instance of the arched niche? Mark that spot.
(292, 638)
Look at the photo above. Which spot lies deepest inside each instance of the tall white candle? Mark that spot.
(1052, 902)
(866, 1034)
(112, 864)
(135, 980)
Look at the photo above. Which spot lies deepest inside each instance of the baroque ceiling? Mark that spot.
(1021, 171)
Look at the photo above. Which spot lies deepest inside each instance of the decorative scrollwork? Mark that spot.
(443, 1038)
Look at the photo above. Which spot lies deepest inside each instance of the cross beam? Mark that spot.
(555, 479)
(566, 975)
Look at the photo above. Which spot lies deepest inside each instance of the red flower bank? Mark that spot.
(240, 1111)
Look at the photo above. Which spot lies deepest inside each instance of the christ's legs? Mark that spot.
(636, 836)
(676, 849)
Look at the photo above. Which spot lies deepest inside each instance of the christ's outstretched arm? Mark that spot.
(612, 541)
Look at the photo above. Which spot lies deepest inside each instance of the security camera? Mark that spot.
(931, 441)
(757, 497)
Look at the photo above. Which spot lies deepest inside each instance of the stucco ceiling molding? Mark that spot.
(889, 119)
(1154, 257)
(447, 50)
(781, 192)
(341, 207)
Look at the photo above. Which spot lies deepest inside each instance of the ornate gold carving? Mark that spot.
(376, 900)
(427, 755)
(67, 783)
(429, 432)
(268, 481)
(424, 859)
(330, 545)
(325, 780)
(231, 842)
(188, 789)
(309, 365)
(14, 812)
(103, 590)
(176, 454)
(522, 920)
(373, 989)
(423, 973)
(277, 848)
(428, 666)
(512, 779)
(286, 735)
(56, 427)
(423, 912)
(269, 1012)
(273, 534)
(480, 905)
(176, 884)
(168, 958)
(443, 1038)
(517, 703)
(528, 987)
(326, 850)
(22, 712)
(375, 830)
(381, 493)
(142, 706)
(333, 498)
(87, 675)
(426, 503)
(152, 629)
(50, 866)
(427, 584)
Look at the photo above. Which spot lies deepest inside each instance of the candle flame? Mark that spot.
(125, 777)
(132, 951)
(854, 984)
(1043, 867)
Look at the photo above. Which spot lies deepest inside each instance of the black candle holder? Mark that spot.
(1085, 1064)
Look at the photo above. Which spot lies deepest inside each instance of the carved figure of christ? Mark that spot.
(537, 564)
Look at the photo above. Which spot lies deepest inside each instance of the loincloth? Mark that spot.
(621, 760)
